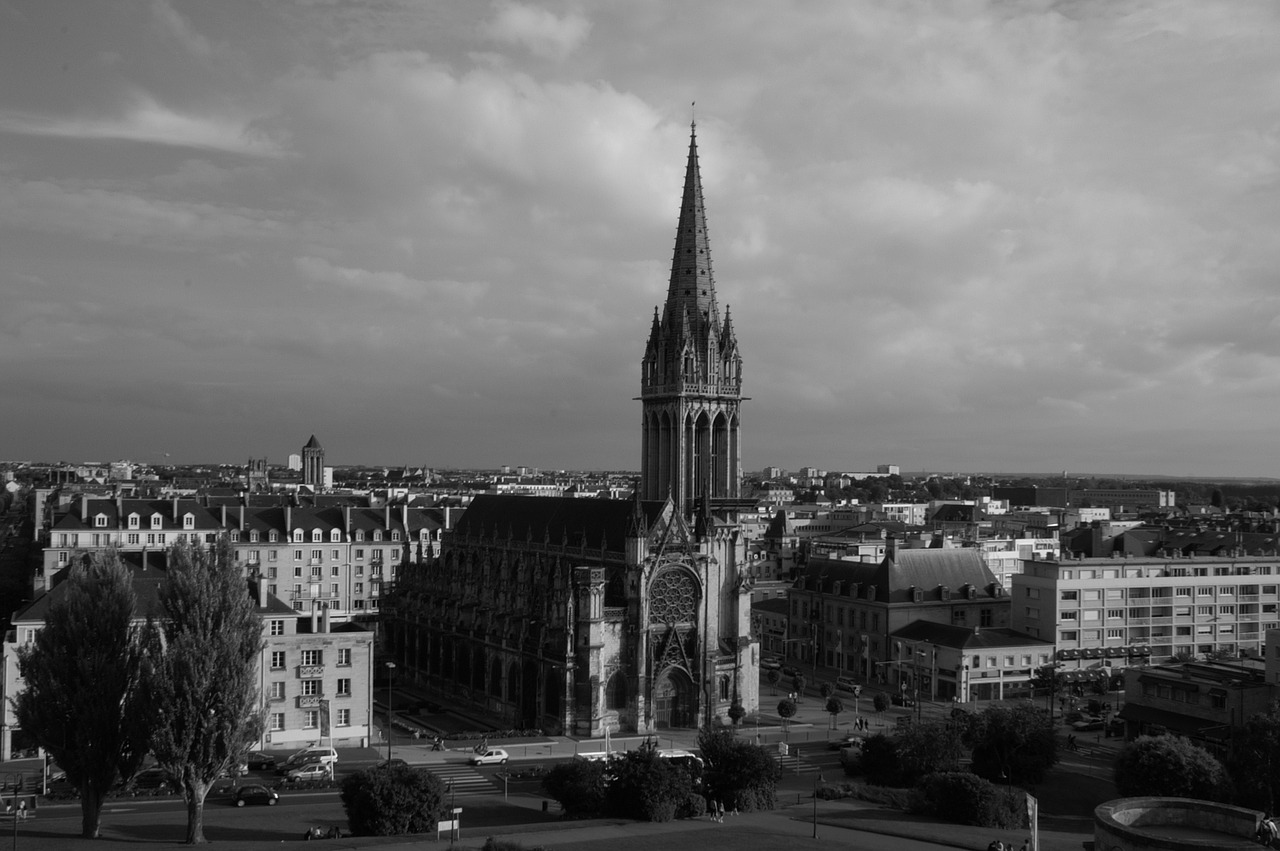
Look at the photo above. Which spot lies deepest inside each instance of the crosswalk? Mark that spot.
(462, 779)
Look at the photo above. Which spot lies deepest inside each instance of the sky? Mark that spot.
(954, 235)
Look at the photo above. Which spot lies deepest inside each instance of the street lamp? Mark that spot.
(817, 778)
(391, 667)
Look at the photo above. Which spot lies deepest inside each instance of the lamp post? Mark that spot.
(16, 781)
(817, 778)
(391, 667)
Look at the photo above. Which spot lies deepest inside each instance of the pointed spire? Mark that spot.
(692, 284)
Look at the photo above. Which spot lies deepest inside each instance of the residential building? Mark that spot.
(1122, 612)
(966, 664)
(1202, 701)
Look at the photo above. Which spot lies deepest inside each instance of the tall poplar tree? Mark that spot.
(203, 685)
(82, 677)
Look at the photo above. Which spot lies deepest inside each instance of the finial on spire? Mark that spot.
(693, 114)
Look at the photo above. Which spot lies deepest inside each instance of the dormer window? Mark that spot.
(377, 534)
(188, 521)
(395, 535)
(235, 535)
(100, 521)
(134, 521)
(334, 536)
(298, 537)
(157, 521)
(315, 536)
(253, 536)
(359, 534)
(274, 536)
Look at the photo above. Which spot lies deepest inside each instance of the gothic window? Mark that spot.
(673, 598)
(616, 693)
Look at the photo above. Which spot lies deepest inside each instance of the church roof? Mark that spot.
(557, 520)
(692, 287)
(313, 443)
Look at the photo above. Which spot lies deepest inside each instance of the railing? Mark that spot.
(310, 672)
(307, 701)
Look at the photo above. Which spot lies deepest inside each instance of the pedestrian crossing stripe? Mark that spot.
(462, 778)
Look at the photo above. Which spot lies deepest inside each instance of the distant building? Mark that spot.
(313, 463)
(1202, 701)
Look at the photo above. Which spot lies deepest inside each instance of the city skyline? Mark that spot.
(952, 236)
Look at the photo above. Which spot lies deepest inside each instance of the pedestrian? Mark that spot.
(1026, 844)
(719, 811)
(996, 845)
(1267, 831)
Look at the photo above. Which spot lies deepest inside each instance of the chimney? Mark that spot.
(404, 518)
(346, 521)
(175, 509)
(224, 516)
(120, 511)
(84, 508)
(144, 559)
(386, 516)
(288, 522)
(315, 618)
(262, 592)
(324, 620)
(448, 518)
(242, 527)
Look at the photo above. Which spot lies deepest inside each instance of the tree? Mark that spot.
(392, 801)
(203, 683)
(1012, 744)
(82, 701)
(646, 787)
(880, 762)
(742, 775)
(786, 709)
(927, 747)
(1168, 766)
(736, 713)
(880, 702)
(1255, 759)
(798, 683)
(826, 690)
(774, 677)
(578, 786)
(834, 706)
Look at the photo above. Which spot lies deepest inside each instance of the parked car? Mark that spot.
(493, 756)
(1088, 725)
(328, 756)
(789, 671)
(903, 700)
(239, 768)
(258, 761)
(770, 664)
(309, 771)
(392, 763)
(256, 795)
(153, 778)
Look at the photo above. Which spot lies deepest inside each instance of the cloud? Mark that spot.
(146, 120)
(174, 24)
(388, 283)
(540, 31)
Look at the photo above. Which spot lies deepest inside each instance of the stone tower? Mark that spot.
(691, 376)
(313, 463)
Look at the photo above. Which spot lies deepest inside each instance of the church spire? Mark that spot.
(692, 285)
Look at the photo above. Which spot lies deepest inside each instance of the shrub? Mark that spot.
(694, 806)
(578, 786)
(880, 762)
(880, 702)
(965, 798)
(742, 775)
(646, 787)
(392, 801)
(1168, 766)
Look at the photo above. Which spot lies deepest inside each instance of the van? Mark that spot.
(325, 756)
(847, 684)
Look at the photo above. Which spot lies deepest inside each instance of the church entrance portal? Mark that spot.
(674, 703)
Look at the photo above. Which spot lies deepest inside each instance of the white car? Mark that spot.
(493, 756)
(309, 771)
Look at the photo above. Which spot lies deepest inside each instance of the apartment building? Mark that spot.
(1121, 612)
(315, 676)
(1203, 701)
(333, 557)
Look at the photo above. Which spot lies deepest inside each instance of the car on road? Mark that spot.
(1088, 725)
(391, 763)
(309, 771)
(770, 664)
(256, 795)
(903, 700)
(788, 671)
(153, 778)
(851, 740)
(259, 761)
(493, 756)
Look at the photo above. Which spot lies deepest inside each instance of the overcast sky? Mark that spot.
(953, 235)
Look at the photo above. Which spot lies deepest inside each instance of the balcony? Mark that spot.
(310, 701)
(310, 672)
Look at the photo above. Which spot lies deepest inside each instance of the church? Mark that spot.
(579, 616)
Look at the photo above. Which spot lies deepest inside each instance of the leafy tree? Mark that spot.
(392, 801)
(786, 709)
(774, 677)
(964, 798)
(742, 775)
(82, 701)
(834, 706)
(1255, 759)
(925, 748)
(798, 682)
(880, 762)
(1168, 766)
(578, 786)
(826, 690)
(1015, 743)
(646, 787)
(736, 713)
(880, 702)
(203, 683)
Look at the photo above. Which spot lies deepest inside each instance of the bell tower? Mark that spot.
(691, 375)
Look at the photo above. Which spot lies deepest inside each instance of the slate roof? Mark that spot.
(966, 638)
(593, 523)
(927, 570)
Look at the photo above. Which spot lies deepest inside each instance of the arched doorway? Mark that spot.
(674, 700)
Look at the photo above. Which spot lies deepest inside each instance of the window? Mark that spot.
(984, 618)
(333, 590)
(395, 536)
(1226, 610)
(1091, 614)
(1070, 595)
(311, 719)
(277, 659)
(316, 571)
(311, 688)
(377, 534)
(1115, 633)
(273, 536)
(1204, 610)
(297, 571)
(1115, 614)
(991, 661)
(271, 573)
(100, 521)
(359, 552)
(253, 536)
(1008, 661)
(271, 589)
(360, 537)
(157, 522)
(1204, 592)
(344, 655)
(277, 690)
(255, 556)
(1068, 616)
(333, 554)
(1033, 593)
(188, 521)
(343, 718)
(311, 657)
(1182, 592)
(277, 627)
(317, 555)
(297, 555)
(271, 555)
(344, 687)
(316, 536)
(277, 720)
(1070, 635)
(133, 539)
(298, 536)
(359, 588)
(133, 521)
(1226, 591)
